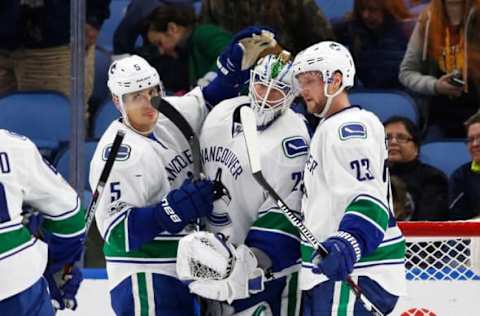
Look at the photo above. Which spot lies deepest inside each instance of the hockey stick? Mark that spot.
(250, 134)
(90, 213)
(97, 194)
(164, 107)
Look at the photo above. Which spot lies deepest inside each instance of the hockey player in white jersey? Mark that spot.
(28, 265)
(347, 202)
(150, 200)
(264, 276)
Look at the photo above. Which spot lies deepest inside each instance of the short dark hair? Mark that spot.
(183, 15)
(411, 127)
(475, 118)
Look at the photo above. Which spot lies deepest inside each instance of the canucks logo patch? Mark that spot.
(352, 130)
(294, 147)
(122, 155)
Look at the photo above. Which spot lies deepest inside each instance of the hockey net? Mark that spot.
(442, 250)
(442, 267)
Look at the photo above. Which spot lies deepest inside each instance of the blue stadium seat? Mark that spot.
(386, 103)
(445, 155)
(105, 115)
(117, 12)
(43, 116)
(335, 9)
(62, 162)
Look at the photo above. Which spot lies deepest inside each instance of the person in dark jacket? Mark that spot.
(464, 184)
(375, 32)
(134, 25)
(35, 44)
(427, 187)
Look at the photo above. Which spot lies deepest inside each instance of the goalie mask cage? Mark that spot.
(442, 268)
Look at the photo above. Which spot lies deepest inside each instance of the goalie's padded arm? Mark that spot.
(275, 236)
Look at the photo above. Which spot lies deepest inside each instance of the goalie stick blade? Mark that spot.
(167, 109)
(249, 124)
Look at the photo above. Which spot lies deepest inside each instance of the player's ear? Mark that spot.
(115, 100)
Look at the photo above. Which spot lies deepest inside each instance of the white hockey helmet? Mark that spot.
(275, 74)
(326, 58)
(131, 74)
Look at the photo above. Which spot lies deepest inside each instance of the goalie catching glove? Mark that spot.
(215, 269)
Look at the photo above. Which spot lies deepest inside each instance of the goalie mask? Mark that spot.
(271, 89)
(131, 74)
(326, 58)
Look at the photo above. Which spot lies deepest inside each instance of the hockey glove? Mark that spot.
(63, 287)
(343, 252)
(219, 271)
(242, 53)
(190, 201)
(235, 61)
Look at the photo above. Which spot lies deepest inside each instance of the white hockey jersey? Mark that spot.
(145, 171)
(346, 173)
(25, 178)
(248, 215)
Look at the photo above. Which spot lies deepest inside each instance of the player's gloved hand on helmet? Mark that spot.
(235, 61)
(343, 252)
(63, 286)
(192, 200)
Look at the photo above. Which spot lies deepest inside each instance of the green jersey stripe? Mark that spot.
(72, 225)
(391, 251)
(344, 299)
(277, 221)
(142, 293)
(164, 249)
(13, 239)
(371, 210)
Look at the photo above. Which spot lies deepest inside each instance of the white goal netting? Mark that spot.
(442, 269)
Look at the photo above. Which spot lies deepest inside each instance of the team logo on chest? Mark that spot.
(294, 146)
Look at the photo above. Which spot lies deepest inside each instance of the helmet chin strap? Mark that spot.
(329, 101)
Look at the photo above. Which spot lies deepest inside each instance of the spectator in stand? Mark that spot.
(174, 30)
(465, 182)
(297, 23)
(427, 186)
(173, 71)
(441, 54)
(35, 44)
(376, 34)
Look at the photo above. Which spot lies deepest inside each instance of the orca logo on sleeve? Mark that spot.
(122, 155)
(352, 130)
(295, 146)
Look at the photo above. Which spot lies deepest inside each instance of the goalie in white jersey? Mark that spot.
(264, 276)
(27, 263)
(347, 201)
(149, 200)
